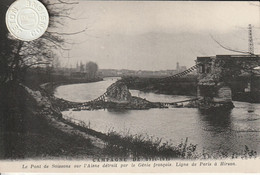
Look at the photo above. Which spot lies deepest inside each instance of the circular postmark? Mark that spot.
(27, 20)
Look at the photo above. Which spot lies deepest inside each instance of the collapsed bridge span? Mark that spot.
(118, 95)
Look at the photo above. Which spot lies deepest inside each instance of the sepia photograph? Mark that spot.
(120, 84)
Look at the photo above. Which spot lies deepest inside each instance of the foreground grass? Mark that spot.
(141, 146)
(27, 134)
(147, 147)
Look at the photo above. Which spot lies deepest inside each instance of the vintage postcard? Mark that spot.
(129, 86)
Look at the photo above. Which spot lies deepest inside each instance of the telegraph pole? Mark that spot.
(250, 40)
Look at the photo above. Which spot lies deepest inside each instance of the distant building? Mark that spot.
(177, 66)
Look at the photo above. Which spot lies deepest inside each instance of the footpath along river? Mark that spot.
(229, 131)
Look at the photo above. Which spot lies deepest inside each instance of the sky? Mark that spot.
(154, 35)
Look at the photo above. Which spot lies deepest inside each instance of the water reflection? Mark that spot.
(219, 120)
(118, 111)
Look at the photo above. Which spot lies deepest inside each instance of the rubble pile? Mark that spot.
(119, 93)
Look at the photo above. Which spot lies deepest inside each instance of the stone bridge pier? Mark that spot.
(217, 93)
(215, 74)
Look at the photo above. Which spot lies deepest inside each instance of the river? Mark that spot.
(229, 131)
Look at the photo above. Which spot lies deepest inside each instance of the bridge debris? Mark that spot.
(119, 93)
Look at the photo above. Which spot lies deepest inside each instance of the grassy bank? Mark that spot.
(28, 133)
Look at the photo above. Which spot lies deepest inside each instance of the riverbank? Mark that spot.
(30, 128)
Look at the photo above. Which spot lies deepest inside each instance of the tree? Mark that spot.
(17, 56)
(92, 69)
(18, 110)
(81, 67)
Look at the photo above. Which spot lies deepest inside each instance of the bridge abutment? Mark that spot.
(215, 74)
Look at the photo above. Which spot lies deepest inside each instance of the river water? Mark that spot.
(229, 131)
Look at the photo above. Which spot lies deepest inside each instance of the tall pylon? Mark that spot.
(250, 40)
